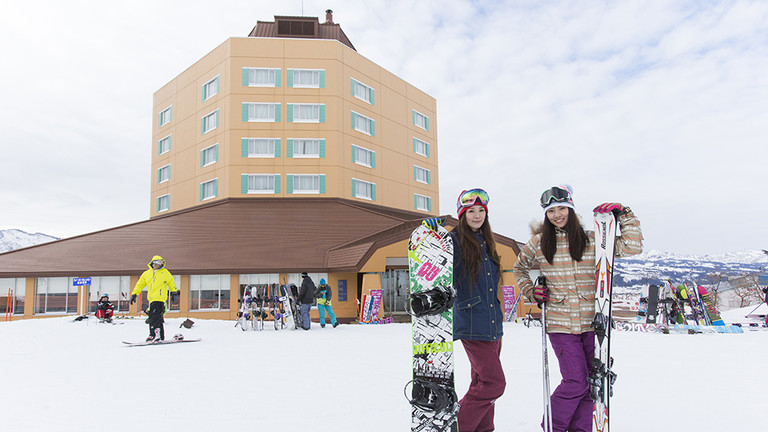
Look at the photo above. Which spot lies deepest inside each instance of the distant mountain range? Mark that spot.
(654, 266)
(11, 239)
(630, 273)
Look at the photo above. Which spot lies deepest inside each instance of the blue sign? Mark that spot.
(342, 294)
(81, 281)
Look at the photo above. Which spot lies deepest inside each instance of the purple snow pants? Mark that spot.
(488, 383)
(571, 404)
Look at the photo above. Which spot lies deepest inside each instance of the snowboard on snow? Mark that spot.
(653, 304)
(601, 377)
(162, 342)
(434, 404)
(712, 312)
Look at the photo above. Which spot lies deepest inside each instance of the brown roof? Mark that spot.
(246, 235)
(326, 30)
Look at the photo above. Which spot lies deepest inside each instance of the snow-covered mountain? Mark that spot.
(653, 266)
(11, 239)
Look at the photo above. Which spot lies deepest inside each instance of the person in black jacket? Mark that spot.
(306, 297)
(105, 309)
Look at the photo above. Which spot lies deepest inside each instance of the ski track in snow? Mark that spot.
(70, 376)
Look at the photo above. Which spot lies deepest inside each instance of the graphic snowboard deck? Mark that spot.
(162, 342)
(430, 259)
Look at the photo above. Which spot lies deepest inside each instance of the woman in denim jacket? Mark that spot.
(477, 313)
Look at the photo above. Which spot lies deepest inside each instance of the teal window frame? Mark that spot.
(215, 187)
(161, 200)
(245, 184)
(417, 115)
(210, 88)
(247, 77)
(365, 95)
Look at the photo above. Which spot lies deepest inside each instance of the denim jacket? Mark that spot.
(477, 312)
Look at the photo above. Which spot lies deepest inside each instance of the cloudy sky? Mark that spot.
(661, 105)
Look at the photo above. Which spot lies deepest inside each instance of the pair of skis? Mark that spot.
(601, 377)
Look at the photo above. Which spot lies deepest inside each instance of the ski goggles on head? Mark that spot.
(158, 262)
(468, 198)
(555, 194)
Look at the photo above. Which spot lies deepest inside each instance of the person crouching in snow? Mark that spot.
(105, 309)
(323, 295)
(159, 282)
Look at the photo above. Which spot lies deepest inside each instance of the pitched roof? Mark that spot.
(232, 236)
(326, 30)
(264, 235)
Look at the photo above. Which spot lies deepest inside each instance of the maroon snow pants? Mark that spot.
(571, 404)
(487, 384)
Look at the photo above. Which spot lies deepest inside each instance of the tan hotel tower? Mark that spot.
(292, 111)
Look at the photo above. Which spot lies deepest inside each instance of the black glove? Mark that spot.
(174, 294)
(541, 291)
(133, 298)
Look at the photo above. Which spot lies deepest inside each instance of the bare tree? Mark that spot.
(714, 280)
(747, 288)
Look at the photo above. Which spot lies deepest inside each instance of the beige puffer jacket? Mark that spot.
(571, 304)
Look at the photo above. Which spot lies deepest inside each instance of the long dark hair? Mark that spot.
(470, 248)
(577, 238)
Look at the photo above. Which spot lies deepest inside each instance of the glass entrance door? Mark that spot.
(395, 287)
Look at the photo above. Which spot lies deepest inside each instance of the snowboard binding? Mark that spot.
(432, 397)
(599, 375)
(432, 302)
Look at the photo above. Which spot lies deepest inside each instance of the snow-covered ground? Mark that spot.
(60, 375)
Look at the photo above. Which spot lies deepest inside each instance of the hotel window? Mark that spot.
(164, 145)
(363, 124)
(261, 112)
(362, 91)
(209, 122)
(209, 292)
(209, 155)
(55, 295)
(363, 189)
(363, 156)
(305, 183)
(260, 147)
(260, 183)
(420, 120)
(117, 287)
(422, 203)
(164, 203)
(305, 147)
(261, 77)
(421, 175)
(165, 116)
(306, 78)
(209, 189)
(17, 288)
(420, 147)
(305, 113)
(211, 88)
(164, 174)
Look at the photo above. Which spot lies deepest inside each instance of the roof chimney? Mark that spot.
(328, 17)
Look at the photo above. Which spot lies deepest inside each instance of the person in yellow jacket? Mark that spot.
(159, 282)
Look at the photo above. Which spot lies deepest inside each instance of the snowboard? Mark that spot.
(712, 312)
(434, 404)
(162, 342)
(288, 307)
(653, 304)
(601, 377)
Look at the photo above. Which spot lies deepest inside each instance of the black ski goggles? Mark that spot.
(555, 194)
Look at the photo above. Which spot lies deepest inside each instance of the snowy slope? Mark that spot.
(11, 239)
(67, 376)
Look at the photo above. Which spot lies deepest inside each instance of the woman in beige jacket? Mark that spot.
(565, 253)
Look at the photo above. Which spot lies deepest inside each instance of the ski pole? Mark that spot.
(545, 361)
